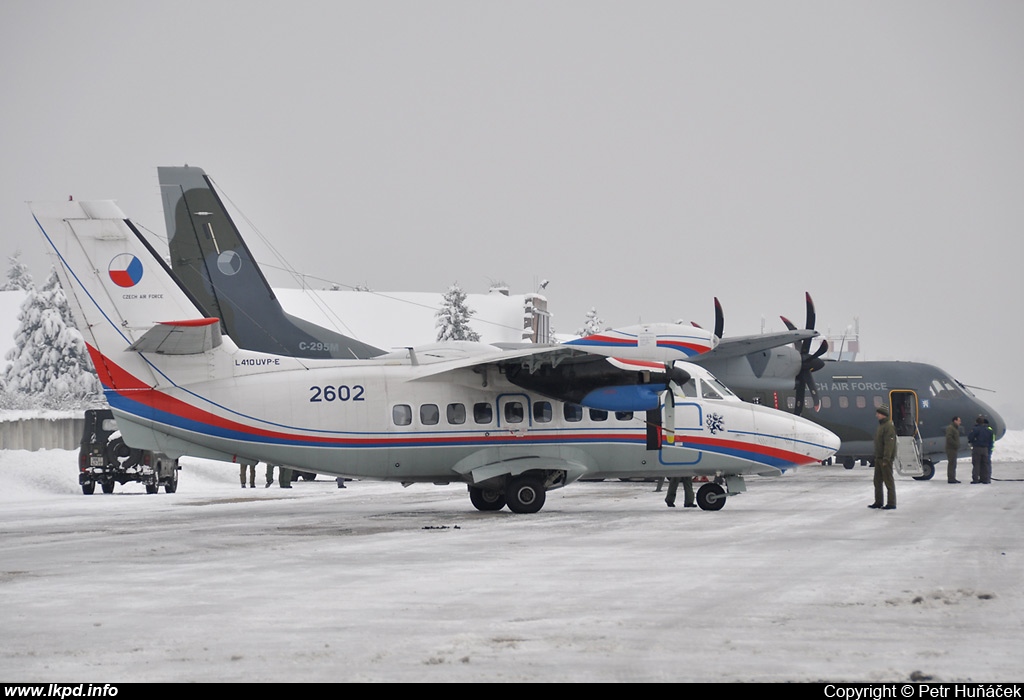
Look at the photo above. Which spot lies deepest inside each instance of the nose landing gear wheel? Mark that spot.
(711, 497)
(929, 471)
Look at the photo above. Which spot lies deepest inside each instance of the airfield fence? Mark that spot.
(41, 433)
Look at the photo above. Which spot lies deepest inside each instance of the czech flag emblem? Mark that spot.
(125, 270)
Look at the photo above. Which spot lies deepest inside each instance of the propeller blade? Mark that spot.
(719, 319)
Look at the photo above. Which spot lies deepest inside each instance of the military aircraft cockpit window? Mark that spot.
(707, 391)
(963, 388)
(401, 414)
(623, 415)
(942, 389)
(514, 412)
(572, 412)
(598, 415)
(456, 414)
(542, 412)
(482, 413)
(721, 389)
(689, 390)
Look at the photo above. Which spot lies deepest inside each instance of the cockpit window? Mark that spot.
(942, 388)
(721, 389)
(689, 389)
(707, 391)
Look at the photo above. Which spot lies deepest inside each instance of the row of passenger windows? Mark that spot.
(513, 412)
(842, 401)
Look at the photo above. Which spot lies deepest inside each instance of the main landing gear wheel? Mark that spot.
(711, 497)
(525, 494)
(929, 471)
(486, 499)
(848, 462)
(171, 484)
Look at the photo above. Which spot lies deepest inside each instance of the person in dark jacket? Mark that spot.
(982, 440)
(952, 449)
(885, 454)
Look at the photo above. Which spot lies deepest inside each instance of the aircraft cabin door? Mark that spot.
(903, 407)
(682, 419)
(514, 413)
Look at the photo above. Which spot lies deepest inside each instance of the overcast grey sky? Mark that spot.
(643, 156)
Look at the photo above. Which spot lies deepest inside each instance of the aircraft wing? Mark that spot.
(741, 345)
(459, 356)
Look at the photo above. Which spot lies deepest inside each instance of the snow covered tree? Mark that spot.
(18, 275)
(49, 360)
(453, 317)
(592, 324)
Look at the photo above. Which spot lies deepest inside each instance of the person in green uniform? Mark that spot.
(885, 452)
(673, 486)
(952, 449)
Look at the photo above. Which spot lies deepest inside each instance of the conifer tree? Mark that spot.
(592, 323)
(453, 317)
(49, 361)
(18, 275)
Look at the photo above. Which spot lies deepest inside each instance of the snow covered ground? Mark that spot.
(793, 581)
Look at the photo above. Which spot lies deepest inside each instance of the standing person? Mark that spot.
(252, 474)
(981, 441)
(952, 449)
(270, 474)
(673, 486)
(885, 452)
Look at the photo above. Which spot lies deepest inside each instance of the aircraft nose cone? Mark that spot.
(994, 419)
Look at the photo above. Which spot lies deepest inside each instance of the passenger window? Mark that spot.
(572, 412)
(826, 402)
(429, 414)
(623, 415)
(456, 414)
(844, 402)
(862, 402)
(598, 415)
(791, 402)
(482, 413)
(514, 412)
(401, 414)
(877, 401)
(542, 412)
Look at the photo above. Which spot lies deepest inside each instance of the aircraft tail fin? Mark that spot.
(121, 292)
(210, 258)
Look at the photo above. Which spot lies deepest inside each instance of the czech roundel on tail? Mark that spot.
(510, 423)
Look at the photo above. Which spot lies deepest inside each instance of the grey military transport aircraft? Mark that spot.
(844, 395)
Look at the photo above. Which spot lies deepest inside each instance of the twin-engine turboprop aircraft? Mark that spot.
(511, 424)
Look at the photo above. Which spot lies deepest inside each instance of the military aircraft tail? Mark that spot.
(122, 295)
(210, 258)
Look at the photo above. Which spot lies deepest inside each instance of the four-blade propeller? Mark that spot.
(809, 362)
